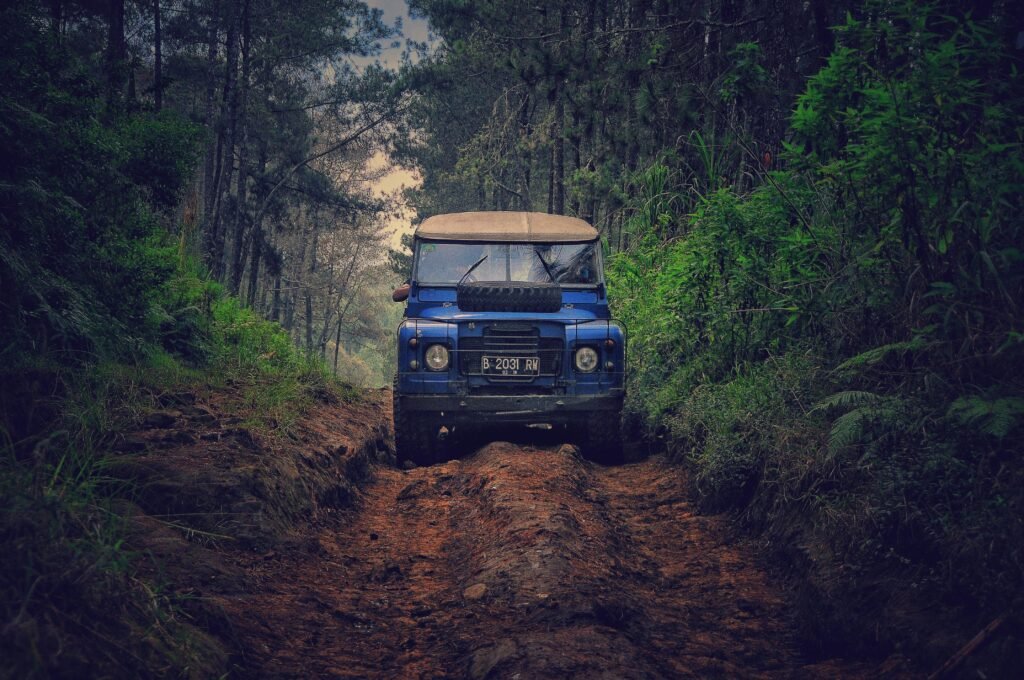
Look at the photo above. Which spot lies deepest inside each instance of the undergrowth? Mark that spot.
(73, 602)
(836, 353)
(102, 318)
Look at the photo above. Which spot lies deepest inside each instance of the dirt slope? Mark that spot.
(520, 560)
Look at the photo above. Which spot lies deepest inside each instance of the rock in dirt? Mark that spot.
(413, 490)
(199, 415)
(159, 420)
(475, 591)
(131, 445)
(486, 659)
(176, 399)
(177, 437)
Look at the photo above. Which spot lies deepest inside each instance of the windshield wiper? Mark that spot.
(470, 270)
(536, 251)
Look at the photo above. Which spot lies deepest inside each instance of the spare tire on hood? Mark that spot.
(509, 296)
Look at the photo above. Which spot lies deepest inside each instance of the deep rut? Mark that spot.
(518, 561)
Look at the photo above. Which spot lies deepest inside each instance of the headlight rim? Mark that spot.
(595, 361)
(427, 357)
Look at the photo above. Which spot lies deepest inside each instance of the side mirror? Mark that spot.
(401, 293)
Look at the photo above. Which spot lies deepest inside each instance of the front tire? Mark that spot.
(416, 435)
(600, 437)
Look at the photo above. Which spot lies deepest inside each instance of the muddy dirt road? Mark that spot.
(518, 561)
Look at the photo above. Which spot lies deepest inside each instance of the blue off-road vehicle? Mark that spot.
(507, 322)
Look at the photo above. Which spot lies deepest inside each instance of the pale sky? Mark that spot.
(414, 29)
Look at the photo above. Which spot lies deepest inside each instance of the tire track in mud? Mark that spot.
(517, 561)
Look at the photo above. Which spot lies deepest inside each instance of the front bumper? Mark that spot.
(527, 408)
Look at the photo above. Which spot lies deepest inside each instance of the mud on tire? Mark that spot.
(416, 435)
(489, 296)
(600, 437)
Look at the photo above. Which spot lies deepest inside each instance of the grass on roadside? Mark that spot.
(72, 600)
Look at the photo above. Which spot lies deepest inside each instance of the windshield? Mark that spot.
(567, 263)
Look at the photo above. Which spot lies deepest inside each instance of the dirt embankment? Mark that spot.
(519, 560)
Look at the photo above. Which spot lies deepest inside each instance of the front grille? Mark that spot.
(510, 341)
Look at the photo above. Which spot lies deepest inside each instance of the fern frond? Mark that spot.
(847, 429)
(873, 413)
(847, 398)
(995, 417)
(877, 354)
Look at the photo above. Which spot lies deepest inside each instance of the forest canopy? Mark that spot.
(147, 138)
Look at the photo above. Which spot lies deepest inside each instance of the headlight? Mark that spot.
(437, 357)
(586, 359)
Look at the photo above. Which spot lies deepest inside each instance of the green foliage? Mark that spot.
(732, 288)
(160, 153)
(889, 248)
(994, 417)
(876, 355)
(747, 77)
(868, 418)
(732, 430)
(81, 253)
(400, 260)
(66, 567)
(101, 312)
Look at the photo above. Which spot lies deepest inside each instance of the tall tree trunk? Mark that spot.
(56, 17)
(551, 181)
(289, 312)
(116, 52)
(255, 253)
(826, 41)
(321, 342)
(558, 206)
(526, 158)
(264, 294)
(328, 311)
(309, 322)
(241, 187)
(229, 120)
(576, 142)
(275, 305)
(337, 345)
(298, 273)
(343, 291)
(309, 293)
(257, 237)
(212, 148)
(158, 59)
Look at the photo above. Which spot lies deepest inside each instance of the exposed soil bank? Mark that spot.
(213, 493)
(519, 560)
(214, 476)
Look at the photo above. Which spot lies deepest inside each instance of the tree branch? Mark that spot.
(326, 152)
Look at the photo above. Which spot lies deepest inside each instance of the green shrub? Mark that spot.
(738, 433)
(888, 248)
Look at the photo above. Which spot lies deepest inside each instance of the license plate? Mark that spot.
(510, 365)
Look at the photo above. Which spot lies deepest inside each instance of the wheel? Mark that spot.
(600, 437)
(416, 435)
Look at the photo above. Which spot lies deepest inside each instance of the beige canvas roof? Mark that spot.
(505, 226)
